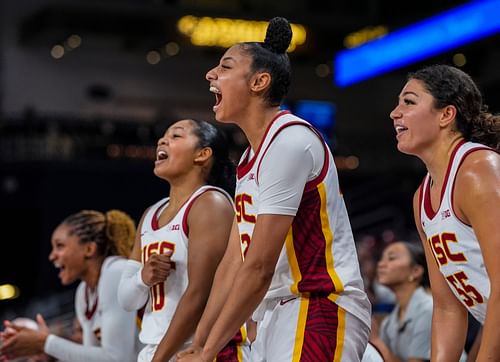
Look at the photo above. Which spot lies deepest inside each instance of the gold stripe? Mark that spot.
(340, 335)
(327, 233)
(292, 260)
(301, 326)
(239, 346)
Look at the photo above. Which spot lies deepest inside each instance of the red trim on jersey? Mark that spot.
(427, 197)
(185, 226)
(246, 164)
(316, 181)
(420, 198)
(326, 163)
(154, 221)
(453, 181)
(89, 312)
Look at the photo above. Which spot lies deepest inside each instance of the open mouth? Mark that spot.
(218, 97)
(61, 269)
(400, 129)
(161, 155)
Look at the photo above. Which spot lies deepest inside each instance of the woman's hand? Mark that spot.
(190, 354)
(157, 268)
(22, 341)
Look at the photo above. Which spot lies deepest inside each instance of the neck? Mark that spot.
(93, 272)
(181, 190)
(256, 122)
(403, 295)
(437, 158)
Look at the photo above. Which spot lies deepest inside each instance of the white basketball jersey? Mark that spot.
(454, 244)
(88, 308)
(164, 297)
(319, 255)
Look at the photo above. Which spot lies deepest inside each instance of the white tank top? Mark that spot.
(164, 297)
(453, 243)
(319, 254)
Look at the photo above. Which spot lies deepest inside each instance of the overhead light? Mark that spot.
(224, 32)
(419, 41)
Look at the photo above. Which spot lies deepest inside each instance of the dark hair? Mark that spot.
(113, 232)
(451, 86)
(222, 171)
(270, 56)
(417, 257)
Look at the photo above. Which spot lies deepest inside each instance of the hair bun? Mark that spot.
(278, 35)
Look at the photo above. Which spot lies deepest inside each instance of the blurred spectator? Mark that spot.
(89, 246)
(405, 334)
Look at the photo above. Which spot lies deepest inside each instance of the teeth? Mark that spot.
(400, 128)
(214, 90)
(162, 155)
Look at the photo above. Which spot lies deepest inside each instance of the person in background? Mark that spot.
(405, 334)
(181, 240)
(440, 118)
(90, 246)
(291, 261)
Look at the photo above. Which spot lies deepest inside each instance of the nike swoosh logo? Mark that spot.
(283, 302)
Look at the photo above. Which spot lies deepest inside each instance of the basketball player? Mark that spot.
(291, 259)
(182, 239)
(441, 119)
(90, 246)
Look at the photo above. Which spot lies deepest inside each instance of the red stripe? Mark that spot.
(321, 329)
(154, 220)
(427, 197)
(420, 198)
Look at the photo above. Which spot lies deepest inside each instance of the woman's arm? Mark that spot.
(223, 281)
(118, 332)
(251, 283)
(478, 200)
(449, 316)
(281, 185)
(132, 291)
(208, 237)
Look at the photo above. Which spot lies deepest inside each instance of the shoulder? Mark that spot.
(212, 200)
(112, 267)
(299, 133)
(478, 164)
(479, 174)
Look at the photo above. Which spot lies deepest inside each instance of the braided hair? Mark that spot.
(270, 56)
(113, 231)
